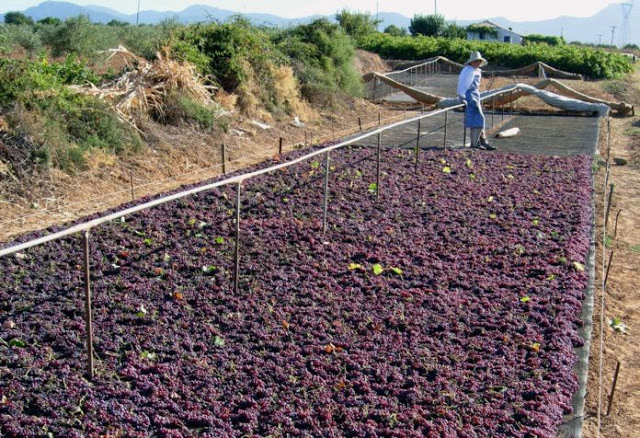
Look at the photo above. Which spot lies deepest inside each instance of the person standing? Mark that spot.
(469, 93)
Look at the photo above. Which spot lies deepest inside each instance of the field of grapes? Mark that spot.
(447, 307)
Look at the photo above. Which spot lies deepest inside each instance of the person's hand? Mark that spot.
(461, 99)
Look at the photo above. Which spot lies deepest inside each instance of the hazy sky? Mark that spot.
(451, 9)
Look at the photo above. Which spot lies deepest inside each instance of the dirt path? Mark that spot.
(622, 293)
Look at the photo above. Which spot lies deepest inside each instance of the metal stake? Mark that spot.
(613, 387)
(606, 277)
(223, 152)
(325, 205)
(464, 135)
(446, 116)
(615, 233)
(360, 123)
(493, 110)
(378, 166)
(608, 138)
(417, 145)
(280, 146)
(87, 308)
(237, 249)
(606, 217)
(133, 195)
(502, 104)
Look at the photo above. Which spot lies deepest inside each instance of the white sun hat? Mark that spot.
(476, 56)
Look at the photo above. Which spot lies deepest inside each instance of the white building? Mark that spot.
(495, 33)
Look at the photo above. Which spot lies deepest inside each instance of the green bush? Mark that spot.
(322, 58)
(180, 108)
(77, 36)
(545, 39)
(64, 125)
(594, 64)
(357, 24)
(222, 50)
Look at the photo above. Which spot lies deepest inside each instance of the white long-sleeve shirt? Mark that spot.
(467, 75)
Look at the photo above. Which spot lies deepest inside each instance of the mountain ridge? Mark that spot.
(594, 29)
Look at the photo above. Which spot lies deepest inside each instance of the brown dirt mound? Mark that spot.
(366, 62)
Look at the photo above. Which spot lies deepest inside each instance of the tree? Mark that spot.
(428, 25)
(357, 24)
(50, 21)
(17, 18)
(394, 30)
(452, 30)
(117, 23)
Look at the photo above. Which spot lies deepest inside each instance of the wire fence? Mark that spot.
(414, 76)
(237, 181)
(136, 187)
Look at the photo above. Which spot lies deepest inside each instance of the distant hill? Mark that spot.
(594, 29)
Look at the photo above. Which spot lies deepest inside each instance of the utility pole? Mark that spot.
(377, 15)
(613, 30)
(138, 13)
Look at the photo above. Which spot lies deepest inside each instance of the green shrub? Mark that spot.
(357, 24)
(180, 108)
(64, 125)
(322, 58)
(594, 64)
(77, 36)
(545, 39)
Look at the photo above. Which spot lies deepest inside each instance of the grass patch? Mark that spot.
(635, 249)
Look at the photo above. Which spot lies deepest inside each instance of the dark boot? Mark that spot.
(486, 145)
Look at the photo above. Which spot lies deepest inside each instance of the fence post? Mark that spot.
(280, 146)
(360, 123)
(133, 195)
(606, 217)
(223, 152)
(378, 165)
(446, 117)
(87, 307)
(417, 145)
(493, 110)
(325, 205)
(502, 105)
(464, 134)
(236, 277)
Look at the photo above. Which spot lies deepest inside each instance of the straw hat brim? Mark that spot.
(482, 64)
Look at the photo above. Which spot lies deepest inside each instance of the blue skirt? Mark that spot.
(473, 115)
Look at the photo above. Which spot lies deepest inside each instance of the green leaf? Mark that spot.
(219, 240)
(15, 342)
(354, 266)
(525, 299)
(535, 222)
(490, 199)
(469, 164)
(218, 341)
(147, 355)
(191, 221)
(472, 176)
(315, 164)
(443, 161)
(579, 266)
(373, 187)
(378, 269)
(147, 241)
(551, 277)
(396, 271)
(493, 216)
(617, 325)
(446, 169)
(511, 176)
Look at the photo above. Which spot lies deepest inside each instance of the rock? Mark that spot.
(620, 161)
